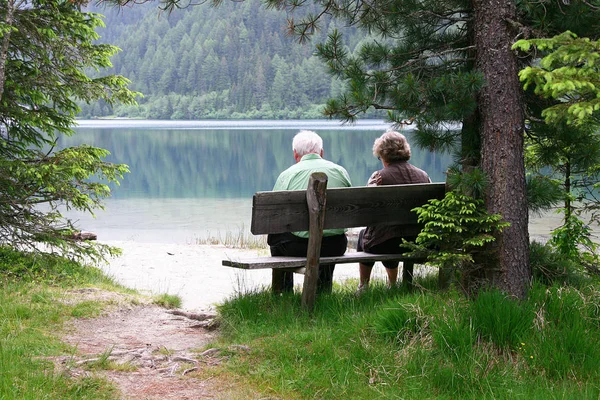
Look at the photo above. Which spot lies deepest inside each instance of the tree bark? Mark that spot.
(502, 130)
(8, 20)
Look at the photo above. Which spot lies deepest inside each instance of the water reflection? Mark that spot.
(193, 162)
(193, 179)
(184, 221)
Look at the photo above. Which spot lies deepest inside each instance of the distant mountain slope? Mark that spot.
(231, 61)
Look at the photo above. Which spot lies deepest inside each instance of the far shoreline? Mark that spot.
(375, 124)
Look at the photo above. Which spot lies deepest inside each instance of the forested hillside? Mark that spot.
(232, 61)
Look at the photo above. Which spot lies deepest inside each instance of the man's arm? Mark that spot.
(346, 177)
(282, 182)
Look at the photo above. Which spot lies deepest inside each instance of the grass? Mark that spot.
(419, 344)
(103, 362)
(240, 240)
(87, 309)
(30, 314)
(167, 300)
(400, 343)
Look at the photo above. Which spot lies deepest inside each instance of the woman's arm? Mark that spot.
(375, 179)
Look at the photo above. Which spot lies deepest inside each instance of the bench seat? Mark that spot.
(281, 262)
(318, 208)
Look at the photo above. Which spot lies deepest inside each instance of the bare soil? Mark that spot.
(152, 352)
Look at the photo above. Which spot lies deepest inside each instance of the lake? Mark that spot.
(191, 180)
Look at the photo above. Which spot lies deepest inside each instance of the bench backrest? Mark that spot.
(286, 211)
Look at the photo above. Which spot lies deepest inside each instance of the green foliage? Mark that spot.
(422, 344)
(573, 240)
(501, 319)
(417, 68)
(455, 228)
(543, 193)
(32, 311)
(403, 321)
(570, 235)
(563, 162)
(45, 54)
(234, 61)
(472, 184)
(48, 268)
(550, 266)
(568, 141)
(167, 300)
(568, 72)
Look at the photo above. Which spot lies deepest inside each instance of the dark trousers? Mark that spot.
(390, 246)
(287, 244)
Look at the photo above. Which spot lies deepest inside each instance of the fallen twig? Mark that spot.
(198, 317)
(189, 370)
(184, 359)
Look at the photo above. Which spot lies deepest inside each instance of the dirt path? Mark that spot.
(153, 353)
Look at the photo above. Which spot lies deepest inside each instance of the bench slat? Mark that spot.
(286, 211)
(297, 262)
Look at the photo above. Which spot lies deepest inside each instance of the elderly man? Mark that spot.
(308, 153)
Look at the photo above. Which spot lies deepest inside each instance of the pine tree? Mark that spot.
(45, 48)
(434, 64)
(565, 118)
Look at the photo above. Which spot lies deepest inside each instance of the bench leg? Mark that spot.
(325, 281)
(445, 277)
(407, 272)
(282, 281)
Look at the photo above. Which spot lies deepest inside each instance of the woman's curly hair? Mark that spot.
(391, 146)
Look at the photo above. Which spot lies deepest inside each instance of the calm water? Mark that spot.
(194, 179)
(191, 180)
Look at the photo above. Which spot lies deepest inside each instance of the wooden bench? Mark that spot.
(319, 208)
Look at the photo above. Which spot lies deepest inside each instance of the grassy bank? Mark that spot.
(420, 344)
(408, 344)
(33, 308)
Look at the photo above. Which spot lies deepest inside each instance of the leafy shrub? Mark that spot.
(455, 229)
(573, 240)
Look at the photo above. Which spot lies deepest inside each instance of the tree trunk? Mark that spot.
(502, 120)
(568, 209)
(8, 20)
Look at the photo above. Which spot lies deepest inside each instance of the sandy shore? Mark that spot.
(194, 272)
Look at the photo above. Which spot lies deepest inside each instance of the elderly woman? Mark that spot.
(393, 150)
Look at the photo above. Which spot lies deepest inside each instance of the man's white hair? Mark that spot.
(307, 142)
